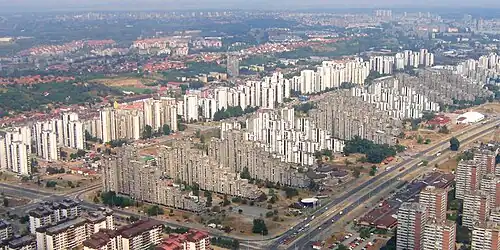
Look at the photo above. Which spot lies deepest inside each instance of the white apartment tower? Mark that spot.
(48, 147)
(190, 107)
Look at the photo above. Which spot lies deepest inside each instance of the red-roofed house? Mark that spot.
(440, 120)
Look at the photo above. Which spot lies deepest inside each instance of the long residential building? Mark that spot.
(346, 117)
(400, 101)
(126, 174)
(143, 234)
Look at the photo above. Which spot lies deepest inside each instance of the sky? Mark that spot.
(53, 5)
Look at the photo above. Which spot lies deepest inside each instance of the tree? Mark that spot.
(147, 132)
(444, 130)
(50, 184)
(454, 144)
(313, 186)
(375, 153)
(427, 116)
(166, 129)
(96, 199)
(245, 174)
(291, 192)
(259, 227)
(364, 233)
(240, 211)
(420, 140)
(226, 202)
(111, 199)
(208, 195)
(342, 247)
(155, 210)
(196, 189)
(273, 199)
(373, 170)
(356, 173)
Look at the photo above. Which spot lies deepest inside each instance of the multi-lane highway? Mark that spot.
(303, 241)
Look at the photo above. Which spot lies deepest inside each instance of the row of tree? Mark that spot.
(111, 199)
(234, 111)
(148, 132)
(225, 242)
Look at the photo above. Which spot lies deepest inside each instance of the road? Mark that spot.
(303, 241)
(324, 218)
(38, 196)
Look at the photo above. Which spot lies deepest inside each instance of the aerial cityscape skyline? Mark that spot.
(133, 5)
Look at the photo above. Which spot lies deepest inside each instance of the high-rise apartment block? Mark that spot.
(129, 120)
(476, 208)
(485, 235)
(331, 74)
(468, 178)
(67, 131)
(293, 140)
(15, 150)
(383, 13)
(233, 66)
(125, 173)
(346, 117)
(62, 225)
(439, 235)
(485, 69)
(436, 200)
(71, 232)
(191, 107)
(383, 65)
(414, 59)
(401, 102)
(412, 220)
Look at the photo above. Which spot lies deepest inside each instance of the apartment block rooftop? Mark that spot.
(63, 226)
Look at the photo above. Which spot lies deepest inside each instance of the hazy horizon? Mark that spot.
(109, 5)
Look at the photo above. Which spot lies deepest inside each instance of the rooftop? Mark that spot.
(100, 239)
(63, 226)
(4, 224)
(139, 227)
(21, 242)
